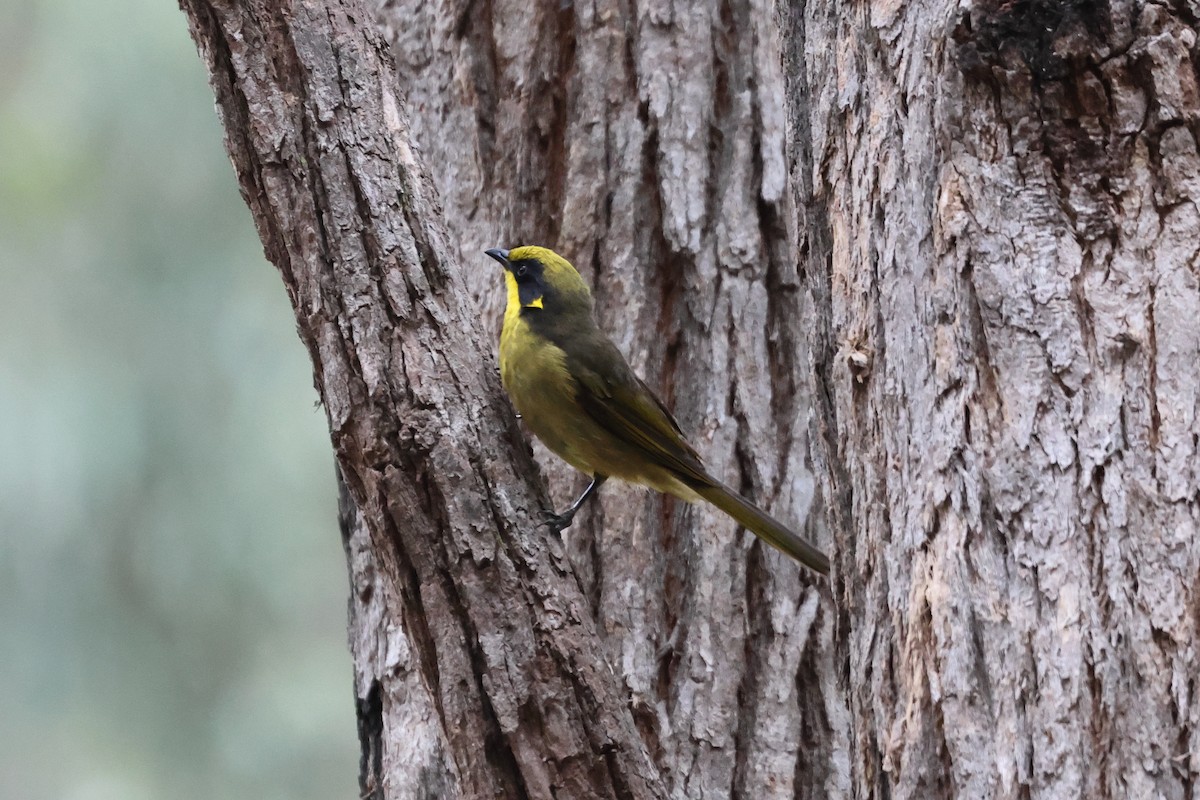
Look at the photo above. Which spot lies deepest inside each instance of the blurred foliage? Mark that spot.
(172, 586)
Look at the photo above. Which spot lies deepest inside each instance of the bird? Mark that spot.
(577, 393)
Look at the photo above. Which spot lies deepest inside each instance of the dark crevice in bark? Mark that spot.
(784, 353)
(506, 769)
(722, 125)
(816, 743)
(368, 708)
(413, 615)
(369, 711)
(614, 776)
(485, 72)
(670, 345)
(1152, 377)
(754, 644)
(555, 135)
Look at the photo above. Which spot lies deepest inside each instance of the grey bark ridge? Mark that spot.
(999, 212)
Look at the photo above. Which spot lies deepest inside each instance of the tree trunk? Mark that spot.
(646, 143)
(994, 222)
(1000, 236)
(466, 609)
(670, 654)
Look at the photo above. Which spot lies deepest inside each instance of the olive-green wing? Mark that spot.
(609, 392)
(622, 404)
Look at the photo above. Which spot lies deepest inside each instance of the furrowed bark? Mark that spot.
(999, 217)
(646, 143)
(988, 244)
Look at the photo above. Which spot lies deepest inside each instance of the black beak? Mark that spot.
(500, 255)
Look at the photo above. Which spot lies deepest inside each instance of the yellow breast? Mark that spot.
(534, 373)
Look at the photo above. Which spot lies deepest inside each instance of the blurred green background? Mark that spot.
(172, 586)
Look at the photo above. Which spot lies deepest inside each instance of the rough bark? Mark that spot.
(466, 609)
(481, 666)
(645, 141)
(999, 218)
(995, 223)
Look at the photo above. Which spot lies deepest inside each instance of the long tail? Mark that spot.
(766, 527)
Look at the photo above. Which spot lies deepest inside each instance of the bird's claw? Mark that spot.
(556, 522)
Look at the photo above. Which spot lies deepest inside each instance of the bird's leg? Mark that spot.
(560, 522)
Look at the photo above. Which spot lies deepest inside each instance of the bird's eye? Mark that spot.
(521, 270)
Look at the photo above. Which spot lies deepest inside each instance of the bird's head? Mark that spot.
(541, 281)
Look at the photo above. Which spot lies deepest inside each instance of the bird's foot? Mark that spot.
(556, 522)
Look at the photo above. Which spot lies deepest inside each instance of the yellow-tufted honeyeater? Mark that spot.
(576, 392)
